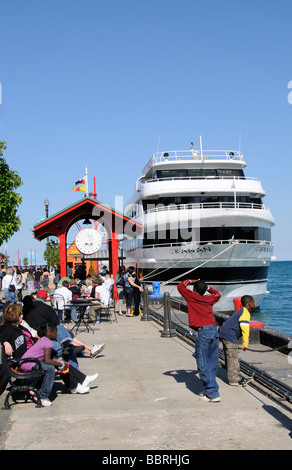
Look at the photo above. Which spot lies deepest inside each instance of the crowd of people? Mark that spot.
(14, 281)
(34, 329)
(34, 324)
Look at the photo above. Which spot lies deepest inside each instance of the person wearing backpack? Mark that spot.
(19, 285)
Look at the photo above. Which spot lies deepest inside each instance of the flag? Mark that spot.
(81, 188)
(82, 181)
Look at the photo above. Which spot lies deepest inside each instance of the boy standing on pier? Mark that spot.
(202, 320)
(235, 327)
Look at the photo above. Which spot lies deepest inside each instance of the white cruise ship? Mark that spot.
(202, 219)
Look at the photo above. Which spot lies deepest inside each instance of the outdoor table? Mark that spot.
(81, 305)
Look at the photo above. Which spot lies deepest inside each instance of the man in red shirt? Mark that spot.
(202, 320)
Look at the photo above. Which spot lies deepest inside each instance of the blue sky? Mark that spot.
(99, 83)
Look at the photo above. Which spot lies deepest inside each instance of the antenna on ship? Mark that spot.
(201, 147)
(158, 143)
(239, 143)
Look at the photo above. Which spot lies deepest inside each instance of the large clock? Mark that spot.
(88, 241)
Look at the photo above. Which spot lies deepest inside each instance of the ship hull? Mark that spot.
(235, 269)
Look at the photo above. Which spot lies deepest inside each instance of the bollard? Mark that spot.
(167, 332)
(145, 316)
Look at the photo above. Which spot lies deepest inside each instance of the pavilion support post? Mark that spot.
(113, 255)
(63, 255)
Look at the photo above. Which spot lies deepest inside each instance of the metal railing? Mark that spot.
(185, 155)
(207, 205)
(140, 182)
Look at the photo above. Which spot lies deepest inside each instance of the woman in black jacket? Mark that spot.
(15, 337)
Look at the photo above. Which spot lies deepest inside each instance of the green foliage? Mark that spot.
(10, 200)
(25, 261)
(52, 253)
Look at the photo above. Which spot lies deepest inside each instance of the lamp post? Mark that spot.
(46, 202)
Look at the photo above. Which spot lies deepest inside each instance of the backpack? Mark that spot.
(120, 282)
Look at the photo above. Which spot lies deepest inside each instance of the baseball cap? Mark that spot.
(42, 294)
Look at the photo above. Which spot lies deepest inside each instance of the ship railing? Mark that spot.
(196, 244)
(142, 181)
(211, 177)
(206, 205)
(185, 155)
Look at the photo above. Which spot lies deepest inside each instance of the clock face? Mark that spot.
(88, 241)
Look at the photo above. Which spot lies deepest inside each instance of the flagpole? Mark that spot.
(86, 182)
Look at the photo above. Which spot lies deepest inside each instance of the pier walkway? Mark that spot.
(146, 398)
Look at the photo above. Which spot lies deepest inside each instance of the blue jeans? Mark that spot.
(63, 335)
(9, 296)
(30, 286)
(207, 356)
(73, 313)
(48, 380)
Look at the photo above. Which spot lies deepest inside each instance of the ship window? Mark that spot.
(239, 233)
(209, 172)
(229, 172)
(199, 172)
(177, 173)
(195, 172)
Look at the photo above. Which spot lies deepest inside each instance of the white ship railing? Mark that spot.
(207, 205)
(141, 181)
(185, 155)
(134, 244)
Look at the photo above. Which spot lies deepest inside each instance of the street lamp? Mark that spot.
(46, 202)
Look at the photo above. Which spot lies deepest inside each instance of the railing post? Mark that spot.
(167, 331)
(145, 316)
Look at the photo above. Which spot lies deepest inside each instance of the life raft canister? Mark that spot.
(237, 303)
(256, 324)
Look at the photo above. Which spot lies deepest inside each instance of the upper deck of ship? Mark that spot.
(214, 158)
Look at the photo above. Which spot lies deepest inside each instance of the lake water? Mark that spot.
(276, 309)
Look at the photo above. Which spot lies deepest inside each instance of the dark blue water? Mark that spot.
(276, 308)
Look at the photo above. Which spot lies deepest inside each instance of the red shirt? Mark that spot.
(200, 307)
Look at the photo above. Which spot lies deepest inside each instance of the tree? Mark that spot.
(25, 261)
(52, 253)
(10, 200)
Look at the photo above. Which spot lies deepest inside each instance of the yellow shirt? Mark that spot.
(244, 320)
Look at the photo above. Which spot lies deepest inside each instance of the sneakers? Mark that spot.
(89, 379)
(46, 402)
(97, 348)
(80, 389)
(212, 400)
(83, 388)
(242, 382)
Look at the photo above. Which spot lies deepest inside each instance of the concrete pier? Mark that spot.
(147, 398)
